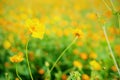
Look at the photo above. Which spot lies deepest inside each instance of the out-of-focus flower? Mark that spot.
(36, 28)
(47, 64)
(7, 65)
(95, 37)
(108, 14)
(6, 44)
(78, 33)
(92, 16)
(79, 43)
(14, 49)
(77, 64)
(64, 77)
(59, 32)
(17, 58)
(16, 78)
(93, 55)
(48, 31)
(95, 65)
(11, 38)
(85, 77)
(114, 68)
(41, 71)
(84, 56)
(117, 49)
(74, 23)
(67, 31)
(76, 51)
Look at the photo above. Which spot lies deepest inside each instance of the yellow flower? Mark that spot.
(78, 33)
(16, 78)
(17, 58)
(36, 28)
(77, 64)
(6, 44)
(92, 16)
(93, 55)
(95, 65)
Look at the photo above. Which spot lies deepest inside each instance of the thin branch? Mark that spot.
(113, 7)
(111, 52)
(28, 64)
(107, 5)
(63, 53)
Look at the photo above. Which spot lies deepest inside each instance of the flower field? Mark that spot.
(60, 40)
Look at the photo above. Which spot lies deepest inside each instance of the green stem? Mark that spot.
(111, 52)
(63, 53)
(28, 61)
(113, 8)
(92, 75)
(118, 16)
(17, 73)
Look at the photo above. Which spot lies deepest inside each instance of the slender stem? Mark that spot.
(92, 75)
(113, 8)
(63, 53)
(28, 61)
(111, 52)
(17, 73)
(107, 5)
(118, 16)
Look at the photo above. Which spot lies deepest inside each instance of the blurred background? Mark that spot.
(60, 18)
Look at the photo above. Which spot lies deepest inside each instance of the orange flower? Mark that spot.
(64, 77)
(79, 43)
(114, 68)
(41, 71)
(17, 58)
(117, 49)
(108, 14)
(84, 56)
(85, 77)
(7, 65)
